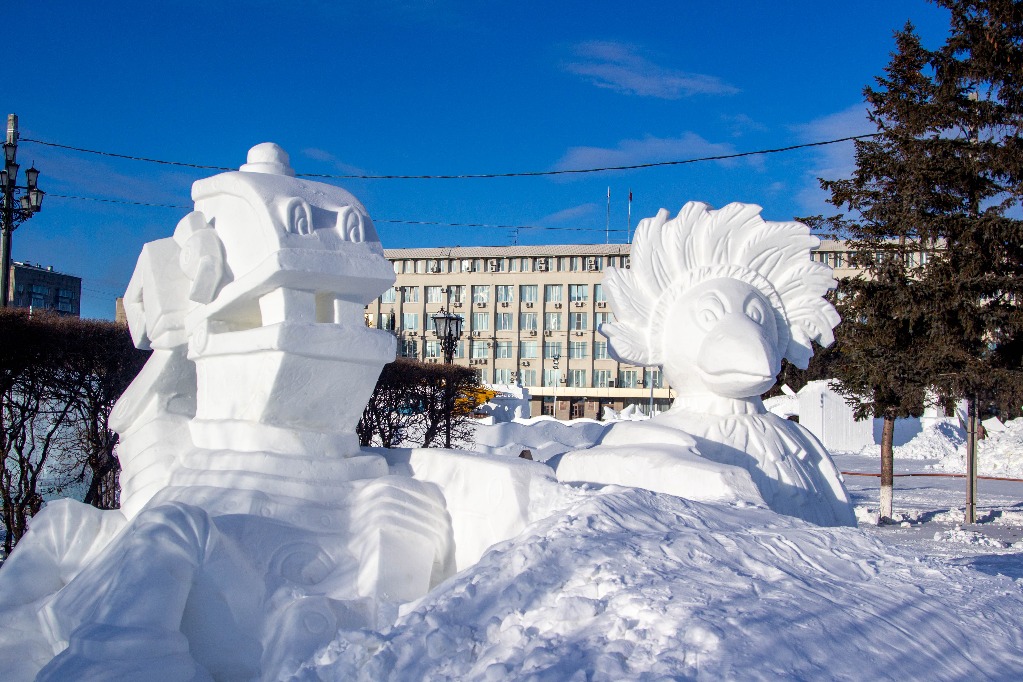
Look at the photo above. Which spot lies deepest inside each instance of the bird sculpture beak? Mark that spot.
(738, 358)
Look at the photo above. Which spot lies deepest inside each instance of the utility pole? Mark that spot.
(14, 212)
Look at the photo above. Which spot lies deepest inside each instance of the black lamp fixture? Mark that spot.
(448, 328)
(17, 204)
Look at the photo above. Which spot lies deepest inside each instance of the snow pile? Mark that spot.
(544, 437)
(999, 454)
(967, 537)
(628, 584)
(937, 439)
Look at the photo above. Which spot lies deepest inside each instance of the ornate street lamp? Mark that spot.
(448, 328)
(14, 209)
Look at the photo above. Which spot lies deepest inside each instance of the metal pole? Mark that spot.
(607, 225)
(971, 461)
(5, 245)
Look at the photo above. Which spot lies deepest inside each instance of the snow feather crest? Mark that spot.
(669, 257)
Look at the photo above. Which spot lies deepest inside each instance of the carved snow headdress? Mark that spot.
(670, 257)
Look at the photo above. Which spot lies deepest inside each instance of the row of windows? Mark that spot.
(42, 290)
(504, 322)
(423, 266)
(528, 350)
(574, 378)
(849, 259)
(503, 293)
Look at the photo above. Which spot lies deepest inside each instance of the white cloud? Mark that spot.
(574, 215)
(649, 150)
(620, 67)
(833, 161)
(338, 164)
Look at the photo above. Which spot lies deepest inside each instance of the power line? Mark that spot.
(375, 220)
(468, 176)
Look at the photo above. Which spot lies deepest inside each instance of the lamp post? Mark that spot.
(448, 328)
(14, 209)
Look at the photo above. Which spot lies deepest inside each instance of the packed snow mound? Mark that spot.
(629, 585)
(999, 454)
(544, 437)
(937, 439)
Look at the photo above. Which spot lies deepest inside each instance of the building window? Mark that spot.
(601, 378)
(598, 293)
(503, 349)
(552, 349)
(433, 295)
(389, 296)
(552, 321)
(528, 293)
(653, 377)
(513, 264)
(548, 401)
(576, 377)
(628, 378)
(577, 350)
(410, 321)
(551, 376)
(505, 293)
(504, 322)
(552, 293)
(456, 293)
(480, 293)
(527, 322)
(480, 321)
(562, 264)
(528, 349)
(420, 266)
(432, 349)
(409, 348)
(410, 294)
(398, 267)
(601, 318)
(528, 377)
(578, 292)
(460, 349)
(502, 375)
(386, 321)
(479, 349)
(577, 408)
(576, 263)
(577, 321)
(600, 350)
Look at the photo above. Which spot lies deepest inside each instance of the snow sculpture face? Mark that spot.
(718, 298)
(726, 339)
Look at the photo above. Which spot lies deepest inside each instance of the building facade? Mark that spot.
(531, 315)
(42, 288)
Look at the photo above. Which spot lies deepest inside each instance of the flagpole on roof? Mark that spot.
(628, 230)
(607, 227)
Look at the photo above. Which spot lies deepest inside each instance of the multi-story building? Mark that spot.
(42, 288)
(531, 315)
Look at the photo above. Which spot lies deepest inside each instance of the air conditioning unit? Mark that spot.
(443, 290)
(591, 264)
(431, 359)
(480, 304)
(504, 304)
(525, 363)
(541, 265)
(611, 383)
(529, 304)
(558, 306)
(579, 304)
(532, 332)
(477, 333)
(435, 269)
(601, 304)
(413, 333)
(580, 333)
(493, 265)
(547, 332)
(456, 304)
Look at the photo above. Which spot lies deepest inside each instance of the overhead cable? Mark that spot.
(469, 176)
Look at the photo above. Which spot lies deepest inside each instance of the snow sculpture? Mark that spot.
(253, 527)
(718, 298)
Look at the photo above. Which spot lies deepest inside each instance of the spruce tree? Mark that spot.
(931, 208)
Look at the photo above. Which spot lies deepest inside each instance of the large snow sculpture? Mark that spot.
(718, 298)
(253, 526)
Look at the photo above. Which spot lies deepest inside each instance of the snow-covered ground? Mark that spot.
(628, 584)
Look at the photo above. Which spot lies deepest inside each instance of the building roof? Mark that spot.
(510, 251)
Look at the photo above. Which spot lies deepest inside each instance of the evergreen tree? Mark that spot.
(930, 214)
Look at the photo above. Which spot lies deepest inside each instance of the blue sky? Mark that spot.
(440, 87)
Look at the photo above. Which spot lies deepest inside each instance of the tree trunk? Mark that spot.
(887, 468)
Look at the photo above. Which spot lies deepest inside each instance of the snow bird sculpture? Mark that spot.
(717, 298)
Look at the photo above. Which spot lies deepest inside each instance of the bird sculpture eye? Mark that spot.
(711, 310)
(755, 311)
